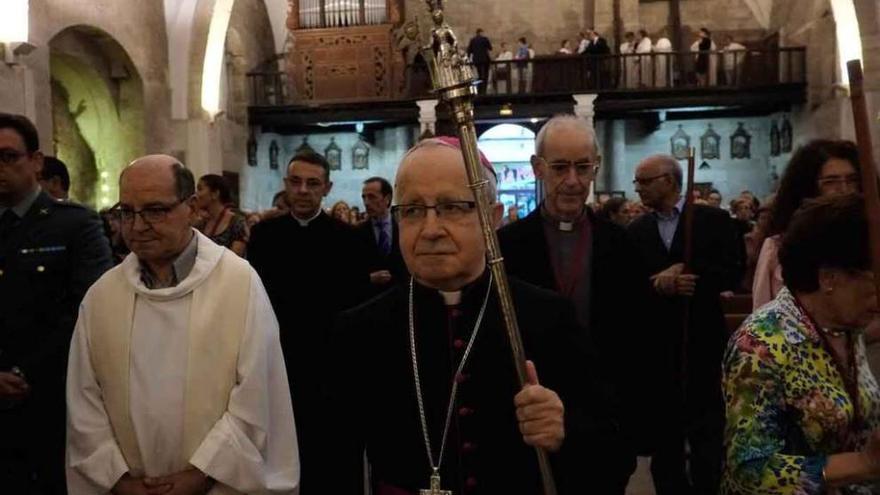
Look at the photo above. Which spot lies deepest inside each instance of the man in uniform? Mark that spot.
(424, 380)
(50, 253)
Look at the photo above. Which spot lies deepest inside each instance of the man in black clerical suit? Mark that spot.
(313, 267)
(449, 315)
(717, 266)
(381, 232)
(50, 254)
(564, 247)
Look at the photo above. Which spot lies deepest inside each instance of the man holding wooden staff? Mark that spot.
(690, 408)
(424, 381)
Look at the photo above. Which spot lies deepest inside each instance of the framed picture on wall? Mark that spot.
(679, 144)
(710, 145)
(273, 155)
(740, 143)
(785, 136)
(333, 153)
(774, 139)
(360, 155)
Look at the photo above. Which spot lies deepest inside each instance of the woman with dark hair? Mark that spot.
(819, 168)
(803, 408)
(222, 223)
(615, 210)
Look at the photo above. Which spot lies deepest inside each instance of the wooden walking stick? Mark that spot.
(688, 222)
(866, 159)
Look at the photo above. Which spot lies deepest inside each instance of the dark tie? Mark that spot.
(7, 222)
(384, 241)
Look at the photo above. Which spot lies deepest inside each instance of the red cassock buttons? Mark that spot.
(468, 447)
(465, 411)
(458, 344)
(461, 377)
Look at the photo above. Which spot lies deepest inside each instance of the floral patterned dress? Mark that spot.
(787, 405)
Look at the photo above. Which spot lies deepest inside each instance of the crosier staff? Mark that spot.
(454, 81)
(868, 170)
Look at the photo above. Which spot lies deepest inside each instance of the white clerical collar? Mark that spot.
(451, 298)
(562, 225)
(305, 223)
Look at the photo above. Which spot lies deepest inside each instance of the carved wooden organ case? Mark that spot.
(344, 50)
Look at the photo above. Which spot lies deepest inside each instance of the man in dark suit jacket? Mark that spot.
(480, 51)
(381, 233)
(562, 246)
(689, 408)
(50, 254)
(599, 65)
(446, 327)
(313, 266)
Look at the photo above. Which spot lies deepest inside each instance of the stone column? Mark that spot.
(427, 116)
(584, 107)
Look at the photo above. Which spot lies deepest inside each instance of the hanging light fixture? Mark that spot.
(506, 110)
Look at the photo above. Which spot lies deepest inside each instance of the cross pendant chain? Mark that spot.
(435, 486)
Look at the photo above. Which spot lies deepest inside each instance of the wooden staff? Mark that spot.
(866, 160)
(688, 220)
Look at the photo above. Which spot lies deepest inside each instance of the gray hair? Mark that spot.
(564, 120)
(670, 163)
(491, 187)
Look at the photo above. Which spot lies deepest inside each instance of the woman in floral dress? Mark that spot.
(802, 406)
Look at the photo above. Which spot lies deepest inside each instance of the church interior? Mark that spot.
(235, 87)
(238, 87)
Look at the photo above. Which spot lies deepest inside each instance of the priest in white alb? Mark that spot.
(176, 382)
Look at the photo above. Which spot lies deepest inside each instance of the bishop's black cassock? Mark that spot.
(374, 401)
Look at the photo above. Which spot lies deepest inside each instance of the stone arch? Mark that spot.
(98, 110)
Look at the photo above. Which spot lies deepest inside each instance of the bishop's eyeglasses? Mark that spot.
(561, 168)
(449, 210)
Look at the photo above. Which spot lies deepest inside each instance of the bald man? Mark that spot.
(176, 381)
(688, 410)
(444, 326)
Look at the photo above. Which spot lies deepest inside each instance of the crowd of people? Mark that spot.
(645, 63)
(295, 350)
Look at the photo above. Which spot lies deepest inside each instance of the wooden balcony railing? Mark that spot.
(571, 74)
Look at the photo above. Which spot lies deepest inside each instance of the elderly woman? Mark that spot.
(802, 406)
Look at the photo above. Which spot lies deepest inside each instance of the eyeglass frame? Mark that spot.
(396, 210)
(571, 164)
(649, 180)
(832, 180)
(164, 209)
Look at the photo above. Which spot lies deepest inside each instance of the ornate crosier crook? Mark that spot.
(454, 81)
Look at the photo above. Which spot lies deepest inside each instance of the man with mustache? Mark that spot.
(176, 382)
(423, 376)
(564, 247)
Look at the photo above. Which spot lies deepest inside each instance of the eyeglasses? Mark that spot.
(451, 210)
(561, 168)
(644, 181)
(296, 183)
(10, 156)
(151, 214)
(837, 181)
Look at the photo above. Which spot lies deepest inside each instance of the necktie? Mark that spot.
(7, 222)
(384, 240)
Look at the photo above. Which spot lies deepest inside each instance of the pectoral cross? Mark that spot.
(435, 486)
